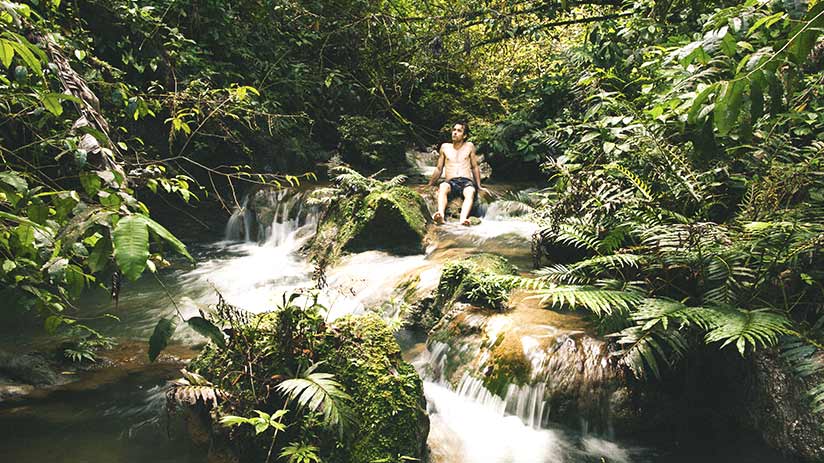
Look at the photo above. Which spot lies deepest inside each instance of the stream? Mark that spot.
(120, 417)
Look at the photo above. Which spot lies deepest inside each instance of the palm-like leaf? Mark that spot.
(318, 392)
(754, 328)
(643, 350)
(596, 299)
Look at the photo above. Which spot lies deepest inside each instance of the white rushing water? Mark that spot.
(258, 262)
(470, 424)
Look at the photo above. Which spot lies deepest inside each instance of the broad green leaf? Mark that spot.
(728, 105)
(8, 266)
(38, 212)
(18, 219)
(231, 420)
(52, 103)
(131, 245)
(6, 53)
(806, 33)
(163, 331)
(206, 329)
(28, 57)
(91, 182)
(161, 231)
(75, 280)
(13, 180)
(699, 101)
(52, 323)
(728, 45)
(772, 19)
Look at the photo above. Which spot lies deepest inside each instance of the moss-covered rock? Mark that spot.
(478, 280)
(387, 405)
(393, 220)
(389, 401)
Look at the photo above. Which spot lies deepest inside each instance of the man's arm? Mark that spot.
(476, 170)
(439, 168)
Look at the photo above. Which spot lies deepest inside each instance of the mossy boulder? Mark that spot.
(392, 219)
(387, 405)
(480, 280)
(388, 393)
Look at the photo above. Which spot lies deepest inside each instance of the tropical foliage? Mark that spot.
(686, 194)
(269, 363)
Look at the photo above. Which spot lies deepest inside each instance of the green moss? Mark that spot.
(394, 219)
(361, 352)
(476, 281)
(507, 365)
(389, 401)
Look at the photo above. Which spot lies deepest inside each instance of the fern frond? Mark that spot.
(193, 388)
(754, 328)
(577, 233)
(322, 196)
(642, 349)
(318, 392)
(636, 181)
(807, 361)
(585, 271)
(597, 300)
(395, 181)
(560, 274)
(300, 453)
(722, 323)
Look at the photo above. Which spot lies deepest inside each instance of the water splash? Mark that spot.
(270, 216)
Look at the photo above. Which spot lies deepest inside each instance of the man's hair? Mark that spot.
(465, 127)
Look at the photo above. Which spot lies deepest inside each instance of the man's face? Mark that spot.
(458, 133)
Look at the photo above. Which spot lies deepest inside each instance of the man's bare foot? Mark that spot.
(466, 223)
(438, 218)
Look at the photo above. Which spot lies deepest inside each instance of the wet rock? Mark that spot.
(543, 365)
(391, 220)
(478, 280)
(29, 369)
(11, 390)
(388, 392)
(772, 402)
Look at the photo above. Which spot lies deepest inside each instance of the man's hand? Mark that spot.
(487, 191)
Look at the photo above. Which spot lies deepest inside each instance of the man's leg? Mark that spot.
(466, 208)
(443, 193)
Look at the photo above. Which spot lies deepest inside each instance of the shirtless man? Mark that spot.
(461, 164)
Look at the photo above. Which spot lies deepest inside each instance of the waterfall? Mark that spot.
(270, 216)
(238, 227)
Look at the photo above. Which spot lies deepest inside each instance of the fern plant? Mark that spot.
(319, 392)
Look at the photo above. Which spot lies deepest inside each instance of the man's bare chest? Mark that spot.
(456, 156)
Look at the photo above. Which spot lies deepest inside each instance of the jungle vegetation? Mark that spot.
(676, 146)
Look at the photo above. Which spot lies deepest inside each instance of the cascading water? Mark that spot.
(260, 259)
(470, 424)
(272, 216)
